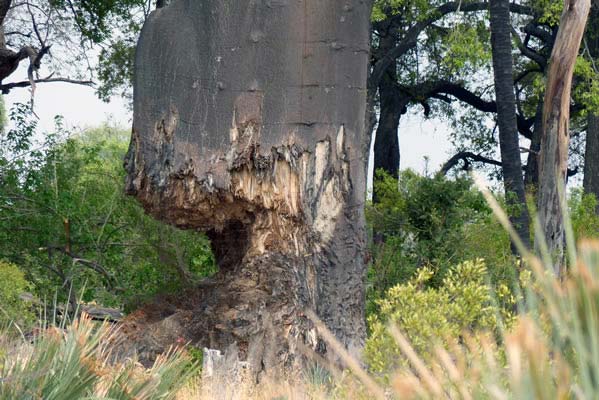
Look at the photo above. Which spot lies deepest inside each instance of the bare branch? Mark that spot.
(468, 157)
(5, 88)
(528, 52)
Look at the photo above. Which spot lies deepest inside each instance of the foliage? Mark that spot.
(550, 11)
(549, 353)
(433, 224)
(93, 17)
(68, 224)
(467, 48)
(79, 32)
(425, 315)
(583, 212)
(12, 285)
(77, 363)
(421, 220)
(586, 92)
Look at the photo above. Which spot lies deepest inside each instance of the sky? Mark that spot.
(81, 108)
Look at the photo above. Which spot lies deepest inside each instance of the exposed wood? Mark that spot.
(249, 125)
(553, 157)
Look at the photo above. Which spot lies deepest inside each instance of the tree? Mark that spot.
(591, 158)
(248, 124)
(509, 142)
(398, 45)
(553, 157)
(64, 34)
(392, 106)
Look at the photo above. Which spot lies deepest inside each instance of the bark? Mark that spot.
(591, 157)
(386, 141)
(532, 163)
(501, 43)
(553, 157)
(249, 125)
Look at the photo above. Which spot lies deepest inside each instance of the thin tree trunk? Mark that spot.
(4, 8)
(531, 178)
(249, 125)
(506, 117)
(386, 143)
(553, 158)
(591, 157)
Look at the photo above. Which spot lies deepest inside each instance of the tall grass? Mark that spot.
(77, 362)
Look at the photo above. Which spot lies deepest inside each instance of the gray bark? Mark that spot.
(532, 164)
(249, 124)
(591, 157)
(506, 117)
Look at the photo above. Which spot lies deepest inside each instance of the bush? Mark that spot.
(436, 223)
(12, 285)
(583, 213)
(69, 225)
(425, 314)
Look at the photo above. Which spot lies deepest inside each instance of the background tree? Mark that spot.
(501, 40)
(589, 62)
(553, 158)
(67, 36)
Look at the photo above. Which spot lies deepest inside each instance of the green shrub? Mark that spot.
(392, 264)
(426, 314)
(583, 213)
(12, 285)
(432, 222)
(69, 225)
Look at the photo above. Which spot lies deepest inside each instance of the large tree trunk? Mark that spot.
(501, 42)
(553, 158)
(248, 124)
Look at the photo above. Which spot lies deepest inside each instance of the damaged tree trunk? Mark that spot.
(555, 139)
(248, 124)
